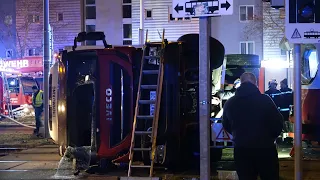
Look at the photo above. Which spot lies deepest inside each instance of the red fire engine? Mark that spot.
(17, 78)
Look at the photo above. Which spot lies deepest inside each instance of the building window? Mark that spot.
(127, 34)
(127, 26)
(9, 53)
(127, 31)
(170, 18)
(91, 28)
(247, 47)
(90, 12)
(246, 13)
(60, 17)
(127, 42)
(33, 52)
(90, 2)
(8, 20)
(148, 14)
(283, 52)
(126, 11)
(33, 18)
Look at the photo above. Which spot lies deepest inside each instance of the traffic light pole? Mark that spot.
(46, 64)
(297, 113)
(204, 96)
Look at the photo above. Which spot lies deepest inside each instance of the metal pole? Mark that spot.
(297, 113)
(141, 31)
(204, 97)
(83, 17)
(46, 63)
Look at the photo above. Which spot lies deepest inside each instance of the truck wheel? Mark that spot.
(216, 154)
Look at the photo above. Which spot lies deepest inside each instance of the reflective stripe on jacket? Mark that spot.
(37, 102)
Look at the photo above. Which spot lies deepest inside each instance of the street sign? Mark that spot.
(302, 21)
(223, 135)
(201, 8)
(218, 133)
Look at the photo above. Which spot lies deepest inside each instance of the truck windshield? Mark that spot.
(27, 83)
(14, 85)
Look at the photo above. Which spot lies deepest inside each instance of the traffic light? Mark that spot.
(304, 11)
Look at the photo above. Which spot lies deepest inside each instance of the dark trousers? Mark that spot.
(253, 162)
(38, 111)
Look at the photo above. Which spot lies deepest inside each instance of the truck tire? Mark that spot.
(191, 51)
(243, 60)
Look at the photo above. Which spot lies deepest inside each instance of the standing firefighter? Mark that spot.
(273, 92)
(285, 111)
(37, 103)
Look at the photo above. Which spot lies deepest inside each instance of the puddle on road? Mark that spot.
(75, 158)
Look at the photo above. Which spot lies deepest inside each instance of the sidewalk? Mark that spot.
(8, 123)
(15, 124)
(38, 163)
(34, 163)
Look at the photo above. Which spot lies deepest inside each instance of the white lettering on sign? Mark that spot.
(109, 104)
(14, 64)
(14, 100)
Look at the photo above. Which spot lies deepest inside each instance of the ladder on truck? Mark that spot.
(6, 98)
(139, 119)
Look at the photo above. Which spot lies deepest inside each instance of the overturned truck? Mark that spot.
(93, 91)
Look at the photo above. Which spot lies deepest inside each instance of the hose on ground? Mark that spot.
(11, 119)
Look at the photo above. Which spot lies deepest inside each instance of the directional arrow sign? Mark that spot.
(178, 8)
(200, 8)
(226, 5)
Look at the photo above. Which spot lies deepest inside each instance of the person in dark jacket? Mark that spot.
(254, 122)
(287, 94)
(274, 93)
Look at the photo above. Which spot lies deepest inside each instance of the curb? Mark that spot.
(14, 125)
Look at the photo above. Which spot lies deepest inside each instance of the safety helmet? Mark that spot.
(273, 81)
(237, 83)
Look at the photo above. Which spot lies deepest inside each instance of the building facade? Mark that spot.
(273, 33)
(106, 16)
(276, 59)
(120, 21)
(64, 21)
(158, 16)
(7, 29)
(241, 33)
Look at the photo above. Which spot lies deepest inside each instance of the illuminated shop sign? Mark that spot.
(14, 64)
